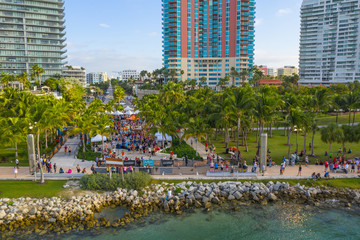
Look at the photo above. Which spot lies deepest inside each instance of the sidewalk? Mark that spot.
(67, 161)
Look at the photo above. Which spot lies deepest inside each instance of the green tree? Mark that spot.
(332, 134)
(37, 71)
(241, 101)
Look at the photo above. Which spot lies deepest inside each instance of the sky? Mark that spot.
(114, 35)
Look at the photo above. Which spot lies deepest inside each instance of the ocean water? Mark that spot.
(277, 221)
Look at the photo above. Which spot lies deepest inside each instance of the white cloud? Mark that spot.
(283, 12)
(263, 57)
(104, 25)
(108, 60)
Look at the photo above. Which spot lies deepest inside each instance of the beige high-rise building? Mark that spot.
(75, 72)
(287, 71)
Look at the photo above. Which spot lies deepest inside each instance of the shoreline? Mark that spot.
(58, 216)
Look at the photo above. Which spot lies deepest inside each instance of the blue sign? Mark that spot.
(149, 163)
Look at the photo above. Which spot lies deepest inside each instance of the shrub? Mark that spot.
(88, 155)
(182, 150)
(103, 182)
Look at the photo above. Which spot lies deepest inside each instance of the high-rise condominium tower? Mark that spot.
(330, 41)
(32, 32)
(206, 38)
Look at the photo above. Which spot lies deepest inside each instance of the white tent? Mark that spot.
(98, 138)
(129, 113)
(160, 137)
(137, 112)
(128, 109)
(117, 113)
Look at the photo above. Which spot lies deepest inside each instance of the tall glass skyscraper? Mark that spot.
(206, 38)
(330, 41)
(32, 32)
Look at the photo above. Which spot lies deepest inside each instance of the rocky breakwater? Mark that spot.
(24, 216)
(206, 195)
(56, 216)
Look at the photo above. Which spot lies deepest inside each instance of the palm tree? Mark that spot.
(6, 78)
(352, 101)
(294, 121)
(103, 127)
(241, 101)
(118, 94)
(233, 74)
(182, 73)
(203, 80)
(173, 74)
(332, 133)
(37, 71)
(197, 128)
(223, 81)
(244, 75)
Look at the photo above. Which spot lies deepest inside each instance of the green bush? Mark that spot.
(182, 150)
(88, 155)
(136, 181)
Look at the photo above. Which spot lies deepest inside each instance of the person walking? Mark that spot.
(16, 172)
(299, 172)
(69, 151)
(54, 167)
(17, 162)
(65, 149)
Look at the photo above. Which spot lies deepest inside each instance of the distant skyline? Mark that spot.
(114, 35)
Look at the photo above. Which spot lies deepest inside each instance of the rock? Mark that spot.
(231, 197)
(237, 195)
(2, 214)
(307, 194)
(272, 197)
(207, 205)
(276, 187)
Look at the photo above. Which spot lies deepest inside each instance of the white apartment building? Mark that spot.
(330, 41)
(92, 78)
(126, 74)
(75, 72)
(287, 71)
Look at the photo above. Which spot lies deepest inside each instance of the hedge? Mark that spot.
(182, 150)
(98, 181)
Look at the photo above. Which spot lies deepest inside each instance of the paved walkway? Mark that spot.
(200, 148)
(67, 160)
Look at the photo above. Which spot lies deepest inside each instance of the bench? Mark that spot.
(63, 175)
(341, 170)
(228, 174)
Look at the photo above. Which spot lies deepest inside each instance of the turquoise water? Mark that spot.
(248, 222)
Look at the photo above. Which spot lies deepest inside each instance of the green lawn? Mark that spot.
(7, 153)
(16, 189)
(326, 119)
(353, 183)
(279, 148)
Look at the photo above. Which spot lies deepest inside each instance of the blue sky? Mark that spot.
(113, 35)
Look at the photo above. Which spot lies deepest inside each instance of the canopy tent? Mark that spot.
(129, 113)
(118, 113)
(137, 112)
(160, 137)
(98, 138)
(128, 109)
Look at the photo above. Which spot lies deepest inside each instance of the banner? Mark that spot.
(149, 163)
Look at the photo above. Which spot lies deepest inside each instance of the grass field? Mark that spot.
(16, 189)
(7, 153)
(353, 183)
(279, 148)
